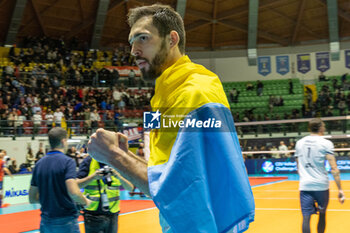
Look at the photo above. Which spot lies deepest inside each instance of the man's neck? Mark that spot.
(173, 57)
(58, 149)
(316, 134)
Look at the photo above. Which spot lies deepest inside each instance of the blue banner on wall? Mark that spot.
(304, 64)
(287, 166)
(347, 59)
(282, 64)
(264, 65)
(322, 61)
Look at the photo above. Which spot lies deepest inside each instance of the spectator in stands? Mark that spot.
(19, 123)
(13, 167)
(30, 159)
(283, 147)
(58, 116)
(12, 117)
(82, 154)
(279, 101)
(121, 104)
(290, 82)
(69, 117)
(95, 118)
(291, 146)
(36, 108)
(118, 119)
(322, 77)
(37, 118)
(4, 127)
(87, 119)
(39, 154)
(249, 86)
(73, 154)
(131, 78)
(259, 88)
(234, 95)
(343, 78)
(342, 105)
(272, 102)
(329, 112)
(55, 82)
(275, 155)
(335, 83)
(115, 77)
(49, 117)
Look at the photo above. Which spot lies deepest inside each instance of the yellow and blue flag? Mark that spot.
(196, 172)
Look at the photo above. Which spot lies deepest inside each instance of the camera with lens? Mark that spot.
(107, 175)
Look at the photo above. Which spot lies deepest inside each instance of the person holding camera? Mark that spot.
(102, 187)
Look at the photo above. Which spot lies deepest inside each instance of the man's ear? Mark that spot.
(174, 38)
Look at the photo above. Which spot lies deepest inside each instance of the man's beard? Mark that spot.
(158, 61)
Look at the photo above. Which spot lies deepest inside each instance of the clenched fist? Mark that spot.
(105, 146)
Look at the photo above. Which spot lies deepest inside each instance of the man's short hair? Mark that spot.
(55, 137)
(164, 18)
(315, 125)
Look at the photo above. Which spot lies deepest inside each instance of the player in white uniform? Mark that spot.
(311, 153)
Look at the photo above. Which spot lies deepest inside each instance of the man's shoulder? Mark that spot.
(199, 85)
(55, 156)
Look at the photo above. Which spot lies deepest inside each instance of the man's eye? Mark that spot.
(143, 38)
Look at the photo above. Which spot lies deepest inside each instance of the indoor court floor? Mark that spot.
(276, 199)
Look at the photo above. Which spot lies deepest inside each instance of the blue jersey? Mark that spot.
(50, 175)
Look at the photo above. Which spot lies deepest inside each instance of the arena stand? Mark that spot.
(66, 74)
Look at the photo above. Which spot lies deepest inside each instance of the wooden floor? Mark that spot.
(277, 211)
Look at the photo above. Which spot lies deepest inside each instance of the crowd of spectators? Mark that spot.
(31, 159)
(330, 99)
(45, 98)
(64, 84)
(50, 105)
(60, 54)
(73, 62)
(281, 149)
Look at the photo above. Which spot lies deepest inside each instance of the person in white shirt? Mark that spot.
(49, 119)
(58, 115)
(37, 118)
(95, 118)
(117, 96)
(283, 147)
(311, 153)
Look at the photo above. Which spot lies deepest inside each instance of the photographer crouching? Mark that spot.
(102, 186)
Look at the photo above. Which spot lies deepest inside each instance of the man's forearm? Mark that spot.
(79, 198)
(7, 171)
(126, 184)
(336, 176)
(34, 199)
(33, 195)
(83, 182)
(132, 169)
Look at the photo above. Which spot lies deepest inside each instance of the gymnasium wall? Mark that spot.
(232, 66)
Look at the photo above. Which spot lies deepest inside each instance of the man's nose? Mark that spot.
(135, 51)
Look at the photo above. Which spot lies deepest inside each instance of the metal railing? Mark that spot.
(334, 125)
(11, 128)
